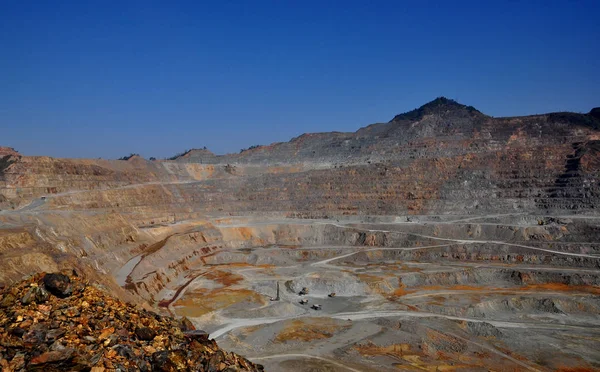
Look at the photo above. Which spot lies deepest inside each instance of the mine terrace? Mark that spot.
(444, 239)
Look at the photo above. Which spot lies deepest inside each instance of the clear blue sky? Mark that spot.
(107, 78)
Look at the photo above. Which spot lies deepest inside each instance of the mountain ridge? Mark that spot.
(418, 166)
(456, 190)
(441, 107)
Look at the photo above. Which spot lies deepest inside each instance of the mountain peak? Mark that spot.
(438, 106)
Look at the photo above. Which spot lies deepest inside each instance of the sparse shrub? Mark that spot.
(5, 162)
(574, 119)
(174, 157)
(250, 148)
(129, 156)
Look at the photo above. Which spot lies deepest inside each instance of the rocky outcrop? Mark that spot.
(58, 322)
(4, 151)
(440, 199)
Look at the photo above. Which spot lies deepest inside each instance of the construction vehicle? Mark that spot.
(303, 292)
(316, 307)
(332, 294)
(303, 301)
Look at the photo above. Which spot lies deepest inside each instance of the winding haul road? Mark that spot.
(234, 323)
(463, 241)
(288, 356)
(325, 262)
(230, 324)
(361, 315)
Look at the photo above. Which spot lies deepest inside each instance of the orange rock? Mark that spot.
(105, 333)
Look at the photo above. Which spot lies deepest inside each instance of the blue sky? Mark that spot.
(104, 79)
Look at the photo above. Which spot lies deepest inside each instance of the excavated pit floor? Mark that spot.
(502, 292)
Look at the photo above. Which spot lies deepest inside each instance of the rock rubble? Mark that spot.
(59, 322)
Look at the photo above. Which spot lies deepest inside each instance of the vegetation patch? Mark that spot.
(128, 156)
(250, 148)
(5, 162)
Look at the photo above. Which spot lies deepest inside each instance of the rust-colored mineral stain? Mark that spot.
(411, 359)
(562, 288)
(458, 287)
(195, 305)
(310, 329)
(225, 278)
(576, 369)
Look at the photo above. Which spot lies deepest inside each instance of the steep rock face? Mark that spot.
(441, 196)
(28, 178)
(442, 157)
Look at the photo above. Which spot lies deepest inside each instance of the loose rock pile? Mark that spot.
(58, 322)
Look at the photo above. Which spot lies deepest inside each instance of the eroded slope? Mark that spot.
(452, 240)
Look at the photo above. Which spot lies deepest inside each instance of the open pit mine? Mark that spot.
(442, 240)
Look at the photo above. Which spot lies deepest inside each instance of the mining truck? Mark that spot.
(303, 292)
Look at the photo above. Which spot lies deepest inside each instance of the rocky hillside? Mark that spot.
(443, 157)
(55, 322)
(203, 235)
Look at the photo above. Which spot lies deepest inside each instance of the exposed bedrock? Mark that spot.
(527, 305)
(443, 239)
(445, 159)
(478, 252)
(497, 277)
(322, 284)
(173, 261)
(507, 176)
